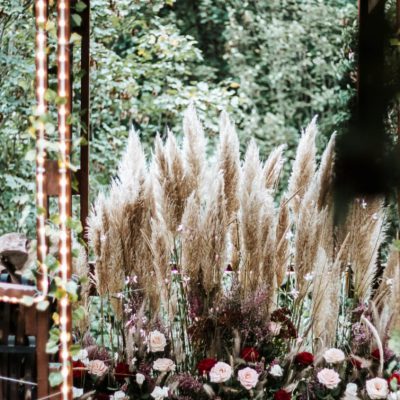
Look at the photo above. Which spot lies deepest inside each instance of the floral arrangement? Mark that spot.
(214, 289)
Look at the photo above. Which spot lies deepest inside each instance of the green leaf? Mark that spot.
(75, 349)
(80, 6)
(78, 314)
(51, 347)
(30, 155)
(55, 379)
(42, 305)
(394, 342)
(75, 38)
(27, 300)
(72, 287)
(76, 19)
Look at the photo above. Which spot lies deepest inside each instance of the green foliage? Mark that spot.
(272, 65)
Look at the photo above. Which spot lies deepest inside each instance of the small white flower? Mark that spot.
(140, 378)
(394, 395)
(180, 228)
(82, 356)
(308, 277)
(120, 395)
(276, 370)
(351, 392)
(363, 204)
(159, 393)
(375, 216)
(294, 293)
(334, 356)
(377, 388)
(289, 235)
(351, 389)
(76, 392)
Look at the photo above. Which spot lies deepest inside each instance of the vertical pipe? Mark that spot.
(65, 191)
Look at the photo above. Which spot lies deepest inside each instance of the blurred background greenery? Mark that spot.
(271, 64)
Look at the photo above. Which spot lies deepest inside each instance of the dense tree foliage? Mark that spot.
(271, 64)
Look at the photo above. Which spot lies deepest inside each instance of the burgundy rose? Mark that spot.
(250, 354)
(122, 372)
(78, 369)
(355, 362)
(204, 366)
(304, 359)
(387, 354)
(396, 376)
(282, 394)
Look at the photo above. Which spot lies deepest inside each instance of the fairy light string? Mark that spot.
(41, 109)
(64, 131)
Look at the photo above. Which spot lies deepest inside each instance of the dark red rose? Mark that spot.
(204, 366)
(396, 376)
(355, 363)
(122, 372)
(304, 359)
(250, 354)
(387, 354)
(78, 369)
(282, 395)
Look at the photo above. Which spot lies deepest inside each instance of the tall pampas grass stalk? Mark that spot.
(201, 218)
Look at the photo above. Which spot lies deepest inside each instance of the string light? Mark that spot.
(64, 132)
(41, 109)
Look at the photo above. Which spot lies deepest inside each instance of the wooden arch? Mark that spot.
(27, 336)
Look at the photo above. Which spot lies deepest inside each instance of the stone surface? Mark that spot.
(14, 249)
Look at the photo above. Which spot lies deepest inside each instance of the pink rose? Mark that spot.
(164, 365)
(157, 341)
(97, 368)
(377, 388)
(248, 377)
(220, 372)
(328, 377)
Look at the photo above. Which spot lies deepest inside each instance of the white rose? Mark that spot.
(328, 377)
(82, 356)
(351, 392)
(163, 365)
(334, 356)
(276, 370)
(76, 392)
(140, 378)
(157, 341)
(377, 388)
(97, 367)
(248, 377)
(220, 372)
(159, 393)
(394, 395)
(120, 395)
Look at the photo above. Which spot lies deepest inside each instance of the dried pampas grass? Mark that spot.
(200, 214)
